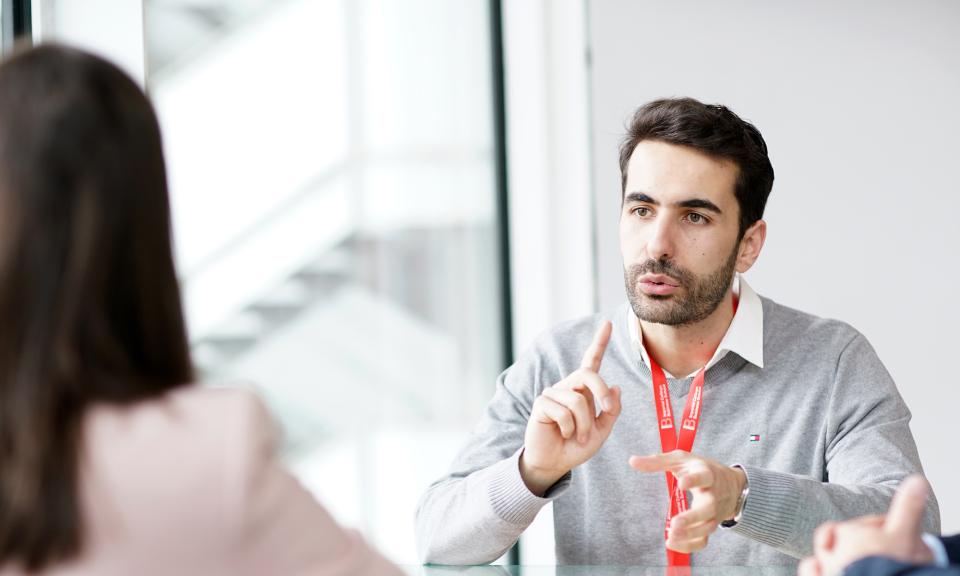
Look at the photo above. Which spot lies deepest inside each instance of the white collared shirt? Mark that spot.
(744, 337)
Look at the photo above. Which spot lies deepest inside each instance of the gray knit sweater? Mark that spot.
(834, 442)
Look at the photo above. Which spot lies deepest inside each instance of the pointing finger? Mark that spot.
(594, 354)
(659, 462)
(906, 509)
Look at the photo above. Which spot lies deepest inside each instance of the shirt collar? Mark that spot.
(744, 337)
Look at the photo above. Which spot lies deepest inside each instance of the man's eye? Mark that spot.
(695, 218)
(641, 211)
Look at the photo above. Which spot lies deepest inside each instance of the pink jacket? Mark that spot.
(192, 484)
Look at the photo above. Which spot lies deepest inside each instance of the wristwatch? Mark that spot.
(741, 501)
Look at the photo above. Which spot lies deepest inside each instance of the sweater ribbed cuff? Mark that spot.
(510, 497)
(771, 511)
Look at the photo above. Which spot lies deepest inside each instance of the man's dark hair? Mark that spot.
(714, 130)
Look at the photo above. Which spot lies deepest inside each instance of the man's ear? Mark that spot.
(750, 245)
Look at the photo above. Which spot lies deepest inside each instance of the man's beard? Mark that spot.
(698, 299)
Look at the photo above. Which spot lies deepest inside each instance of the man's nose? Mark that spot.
(660, 245)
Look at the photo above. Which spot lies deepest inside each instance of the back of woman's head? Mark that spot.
(89, 305)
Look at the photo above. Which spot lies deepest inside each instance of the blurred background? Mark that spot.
(379, 203)
(336, 226)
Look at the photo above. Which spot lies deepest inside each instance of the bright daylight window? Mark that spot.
(334, 195)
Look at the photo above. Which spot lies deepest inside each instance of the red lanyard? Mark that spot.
(670, 441)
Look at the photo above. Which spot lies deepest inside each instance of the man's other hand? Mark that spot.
(715, 489)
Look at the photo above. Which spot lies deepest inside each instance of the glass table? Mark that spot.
(598, 571)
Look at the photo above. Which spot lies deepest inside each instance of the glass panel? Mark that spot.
(333, 187)
(6, 25)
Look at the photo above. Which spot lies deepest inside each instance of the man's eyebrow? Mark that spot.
(640, 197)
(701, 203)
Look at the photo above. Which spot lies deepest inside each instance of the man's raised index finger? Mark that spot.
(594, 354)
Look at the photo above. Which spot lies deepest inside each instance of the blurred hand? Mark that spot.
(715, 489)
(836, 545)
(564, 429)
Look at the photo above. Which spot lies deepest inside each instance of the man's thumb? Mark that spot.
(906, 510)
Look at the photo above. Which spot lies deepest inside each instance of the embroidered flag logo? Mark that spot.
(754, 437)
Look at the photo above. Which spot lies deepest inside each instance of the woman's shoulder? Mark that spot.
(189, 412)
(193, 442)
(193, 479)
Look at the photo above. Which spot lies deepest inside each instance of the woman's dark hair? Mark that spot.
(90, 308)
(714, 130)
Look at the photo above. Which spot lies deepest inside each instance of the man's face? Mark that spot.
(678, 233)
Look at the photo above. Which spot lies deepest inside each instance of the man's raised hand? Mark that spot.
(564, 429)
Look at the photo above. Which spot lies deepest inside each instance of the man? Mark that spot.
(788, 401)
(885, 546)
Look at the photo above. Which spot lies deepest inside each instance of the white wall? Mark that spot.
(858, 102)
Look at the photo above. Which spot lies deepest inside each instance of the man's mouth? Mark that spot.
(658, 284)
